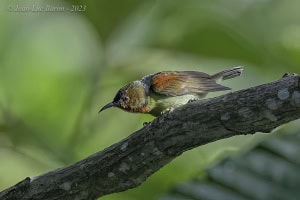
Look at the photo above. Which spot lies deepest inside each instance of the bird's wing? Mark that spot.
(175, 83)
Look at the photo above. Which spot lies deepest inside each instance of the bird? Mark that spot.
(161, 92)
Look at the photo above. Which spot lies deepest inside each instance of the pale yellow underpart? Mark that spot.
(159, 103)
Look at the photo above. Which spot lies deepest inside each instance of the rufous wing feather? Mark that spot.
(174, 83)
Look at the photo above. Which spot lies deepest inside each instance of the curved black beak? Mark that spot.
(111, 104)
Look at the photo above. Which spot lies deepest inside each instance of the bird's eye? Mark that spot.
(126, 98)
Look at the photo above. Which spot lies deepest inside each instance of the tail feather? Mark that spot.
(228, 74)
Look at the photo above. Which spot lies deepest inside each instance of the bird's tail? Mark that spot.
(228, 74)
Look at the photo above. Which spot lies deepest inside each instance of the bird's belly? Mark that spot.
(159, 104)
(176, 101)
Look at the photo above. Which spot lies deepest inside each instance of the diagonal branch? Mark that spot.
(128, 163)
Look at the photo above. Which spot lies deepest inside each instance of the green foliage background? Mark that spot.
(58, 68)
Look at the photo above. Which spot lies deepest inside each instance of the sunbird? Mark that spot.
(158, 93)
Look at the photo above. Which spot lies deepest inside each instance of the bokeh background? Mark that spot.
(58, 68)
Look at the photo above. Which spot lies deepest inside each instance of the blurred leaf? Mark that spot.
(269, 171)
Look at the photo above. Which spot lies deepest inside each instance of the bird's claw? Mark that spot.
(192, 100)
(166, 111)
(146, 123)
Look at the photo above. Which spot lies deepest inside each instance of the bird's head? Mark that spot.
(131, 98)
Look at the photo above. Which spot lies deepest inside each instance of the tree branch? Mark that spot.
(128, 163)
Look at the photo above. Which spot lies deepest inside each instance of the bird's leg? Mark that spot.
(146, 123)
(167, 110)
(191, 100)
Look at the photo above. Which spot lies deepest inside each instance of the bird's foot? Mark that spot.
(191, 100)
(288, 74)
(166, 111)
(146, 123)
